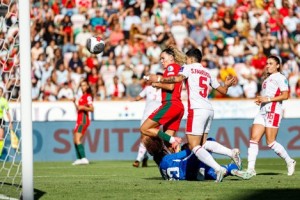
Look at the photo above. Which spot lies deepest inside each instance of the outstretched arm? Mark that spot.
(230, 80)
(170, 79)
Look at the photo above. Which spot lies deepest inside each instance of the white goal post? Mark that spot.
(26, 121)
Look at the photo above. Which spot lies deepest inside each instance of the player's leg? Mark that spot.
(257, 132)
(204, 156)
(141, 156)
(215, 147)
(271, 134)
(197, 123)
(163, 115)
(79, 148)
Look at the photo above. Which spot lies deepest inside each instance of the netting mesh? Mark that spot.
(10, 159)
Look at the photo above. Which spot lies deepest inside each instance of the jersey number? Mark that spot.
(203, 86)
(173, 173)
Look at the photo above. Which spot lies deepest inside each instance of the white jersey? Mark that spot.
(153, 100)
(198, 82)
(272, 87)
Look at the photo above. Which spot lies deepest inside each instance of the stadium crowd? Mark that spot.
(235, 36)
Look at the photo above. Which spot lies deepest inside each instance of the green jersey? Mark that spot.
(3, 106)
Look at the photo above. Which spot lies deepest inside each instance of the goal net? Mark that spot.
(10, 83)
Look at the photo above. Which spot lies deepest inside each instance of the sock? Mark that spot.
(1, 146)
(77, 152)
(252, 154)
(164, 136)
(205, 157)
(81, 150)
(218, 148)
(141, 152)
(280, 151)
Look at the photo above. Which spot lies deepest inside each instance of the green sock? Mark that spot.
(1, 146)
(164, 136)
(81, 150)
(77, 152)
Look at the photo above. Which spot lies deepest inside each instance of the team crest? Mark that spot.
(264, 85)
(170, 68)
(286, 81)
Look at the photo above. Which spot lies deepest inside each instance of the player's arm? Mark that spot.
(283, 96)
(171, 79)
(88, 108)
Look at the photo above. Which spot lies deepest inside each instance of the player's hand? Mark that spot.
(231, 80)
(153, 78)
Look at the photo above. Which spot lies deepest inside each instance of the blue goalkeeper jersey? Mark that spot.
(184, 165)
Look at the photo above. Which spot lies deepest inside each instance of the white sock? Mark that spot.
(205, 157)
(218, 148)
(252, 154)
(141, 152)
(280, 151)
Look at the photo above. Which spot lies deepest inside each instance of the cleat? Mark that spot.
(236, 158)
(176, 145)
(84, 161)
(250, 173)
(136, 164)
(77, 162)
(291, 167)
(220, 174)
(144, 162)
(242, 174)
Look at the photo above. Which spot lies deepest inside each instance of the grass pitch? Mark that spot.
(119, 180)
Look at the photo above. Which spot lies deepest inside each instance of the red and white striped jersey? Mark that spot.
(272, 87)
(198, 82)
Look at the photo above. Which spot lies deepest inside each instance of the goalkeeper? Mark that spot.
(184, 165)
(3, 109)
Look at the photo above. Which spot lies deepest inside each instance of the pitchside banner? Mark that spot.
(126, 110)
(119, 140)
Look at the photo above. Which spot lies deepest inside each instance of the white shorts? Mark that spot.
(199, 121)
(271, 120)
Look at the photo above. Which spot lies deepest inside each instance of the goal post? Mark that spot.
(26, 101)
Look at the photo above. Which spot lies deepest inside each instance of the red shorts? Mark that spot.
(169, 115)
(81, 128)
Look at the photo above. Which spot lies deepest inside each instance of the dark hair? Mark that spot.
(276, 58)
(89, 90)
(195, 53)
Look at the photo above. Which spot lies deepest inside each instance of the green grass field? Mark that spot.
(119, 180)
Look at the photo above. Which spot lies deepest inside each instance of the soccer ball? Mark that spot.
(95, 45)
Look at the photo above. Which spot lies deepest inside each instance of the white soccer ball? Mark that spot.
(95, 44)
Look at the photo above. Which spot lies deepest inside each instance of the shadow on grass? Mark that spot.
(37, 193)
(274, 194)
(267, 174)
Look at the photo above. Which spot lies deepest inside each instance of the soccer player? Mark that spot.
(153, 101)
(200, 111)
(3, 108)
(85, 105)
(184, 165)
(170, 113)
(274, 90)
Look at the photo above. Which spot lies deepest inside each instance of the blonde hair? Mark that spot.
(179, 57)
